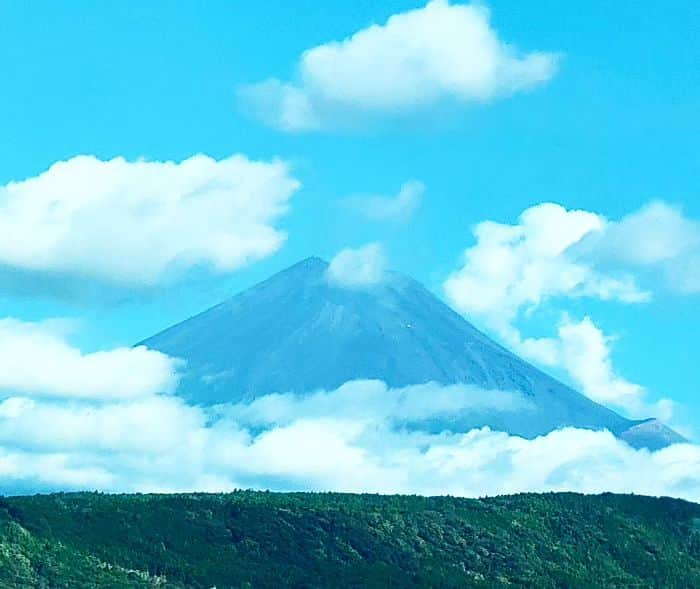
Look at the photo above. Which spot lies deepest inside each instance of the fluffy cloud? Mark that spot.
(657, 237)
(36, 359)
(358, 268)
(417, 58)
(554, 253)
(585, 352)
(319, 442)
(126, 425)
(399, 208)
(372, 400)
(519, 267)
(136, 224)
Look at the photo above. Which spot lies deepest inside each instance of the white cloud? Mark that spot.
(319, 442)
(399, 208)
(586, 355)
(657, 237)
(417, 58)
(552, 254)
(584, 351)
(372, 400)
(152, 425)
(358, 268)
(36, 359)
(139, 223)
(519, 267)
(281, 105)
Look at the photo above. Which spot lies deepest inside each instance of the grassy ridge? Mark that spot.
(249, 539)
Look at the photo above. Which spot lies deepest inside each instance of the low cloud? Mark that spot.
(36, 359)
(137, 224)
(399, 208)
(351, 439)
(373, 400)
(418, 58)
(358, 268)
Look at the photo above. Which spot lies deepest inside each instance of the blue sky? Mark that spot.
(615, 127)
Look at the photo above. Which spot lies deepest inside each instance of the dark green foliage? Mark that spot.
(249, 539)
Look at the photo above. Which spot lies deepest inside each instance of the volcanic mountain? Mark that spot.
(299, 332)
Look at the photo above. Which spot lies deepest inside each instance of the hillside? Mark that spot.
(256, 539)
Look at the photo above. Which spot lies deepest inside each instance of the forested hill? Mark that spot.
(254, 539)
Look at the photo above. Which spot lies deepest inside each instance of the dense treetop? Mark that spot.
(258, 539)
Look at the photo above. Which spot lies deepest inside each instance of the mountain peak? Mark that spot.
(651, 434)
(311, 267)
(310, 263)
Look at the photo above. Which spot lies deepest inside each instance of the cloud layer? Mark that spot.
(137, 224)
(351, 439)
(441, 52)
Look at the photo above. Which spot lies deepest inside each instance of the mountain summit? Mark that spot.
(299, 332)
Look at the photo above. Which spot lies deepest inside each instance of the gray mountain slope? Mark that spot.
(651, 434)
(297, 332)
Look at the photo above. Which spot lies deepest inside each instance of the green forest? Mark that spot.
(258, 539)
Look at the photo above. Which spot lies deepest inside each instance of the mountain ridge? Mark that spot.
(297, 332)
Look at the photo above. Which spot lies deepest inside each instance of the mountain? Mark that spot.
(651, 434)
(298, 332)
(249, 539)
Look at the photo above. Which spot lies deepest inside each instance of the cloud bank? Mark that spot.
(105, 421)
(441, 52)
(351, 439)
(373, 400)
(137, 224)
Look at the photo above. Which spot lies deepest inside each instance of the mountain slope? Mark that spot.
(249, 539)
(297, 332)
